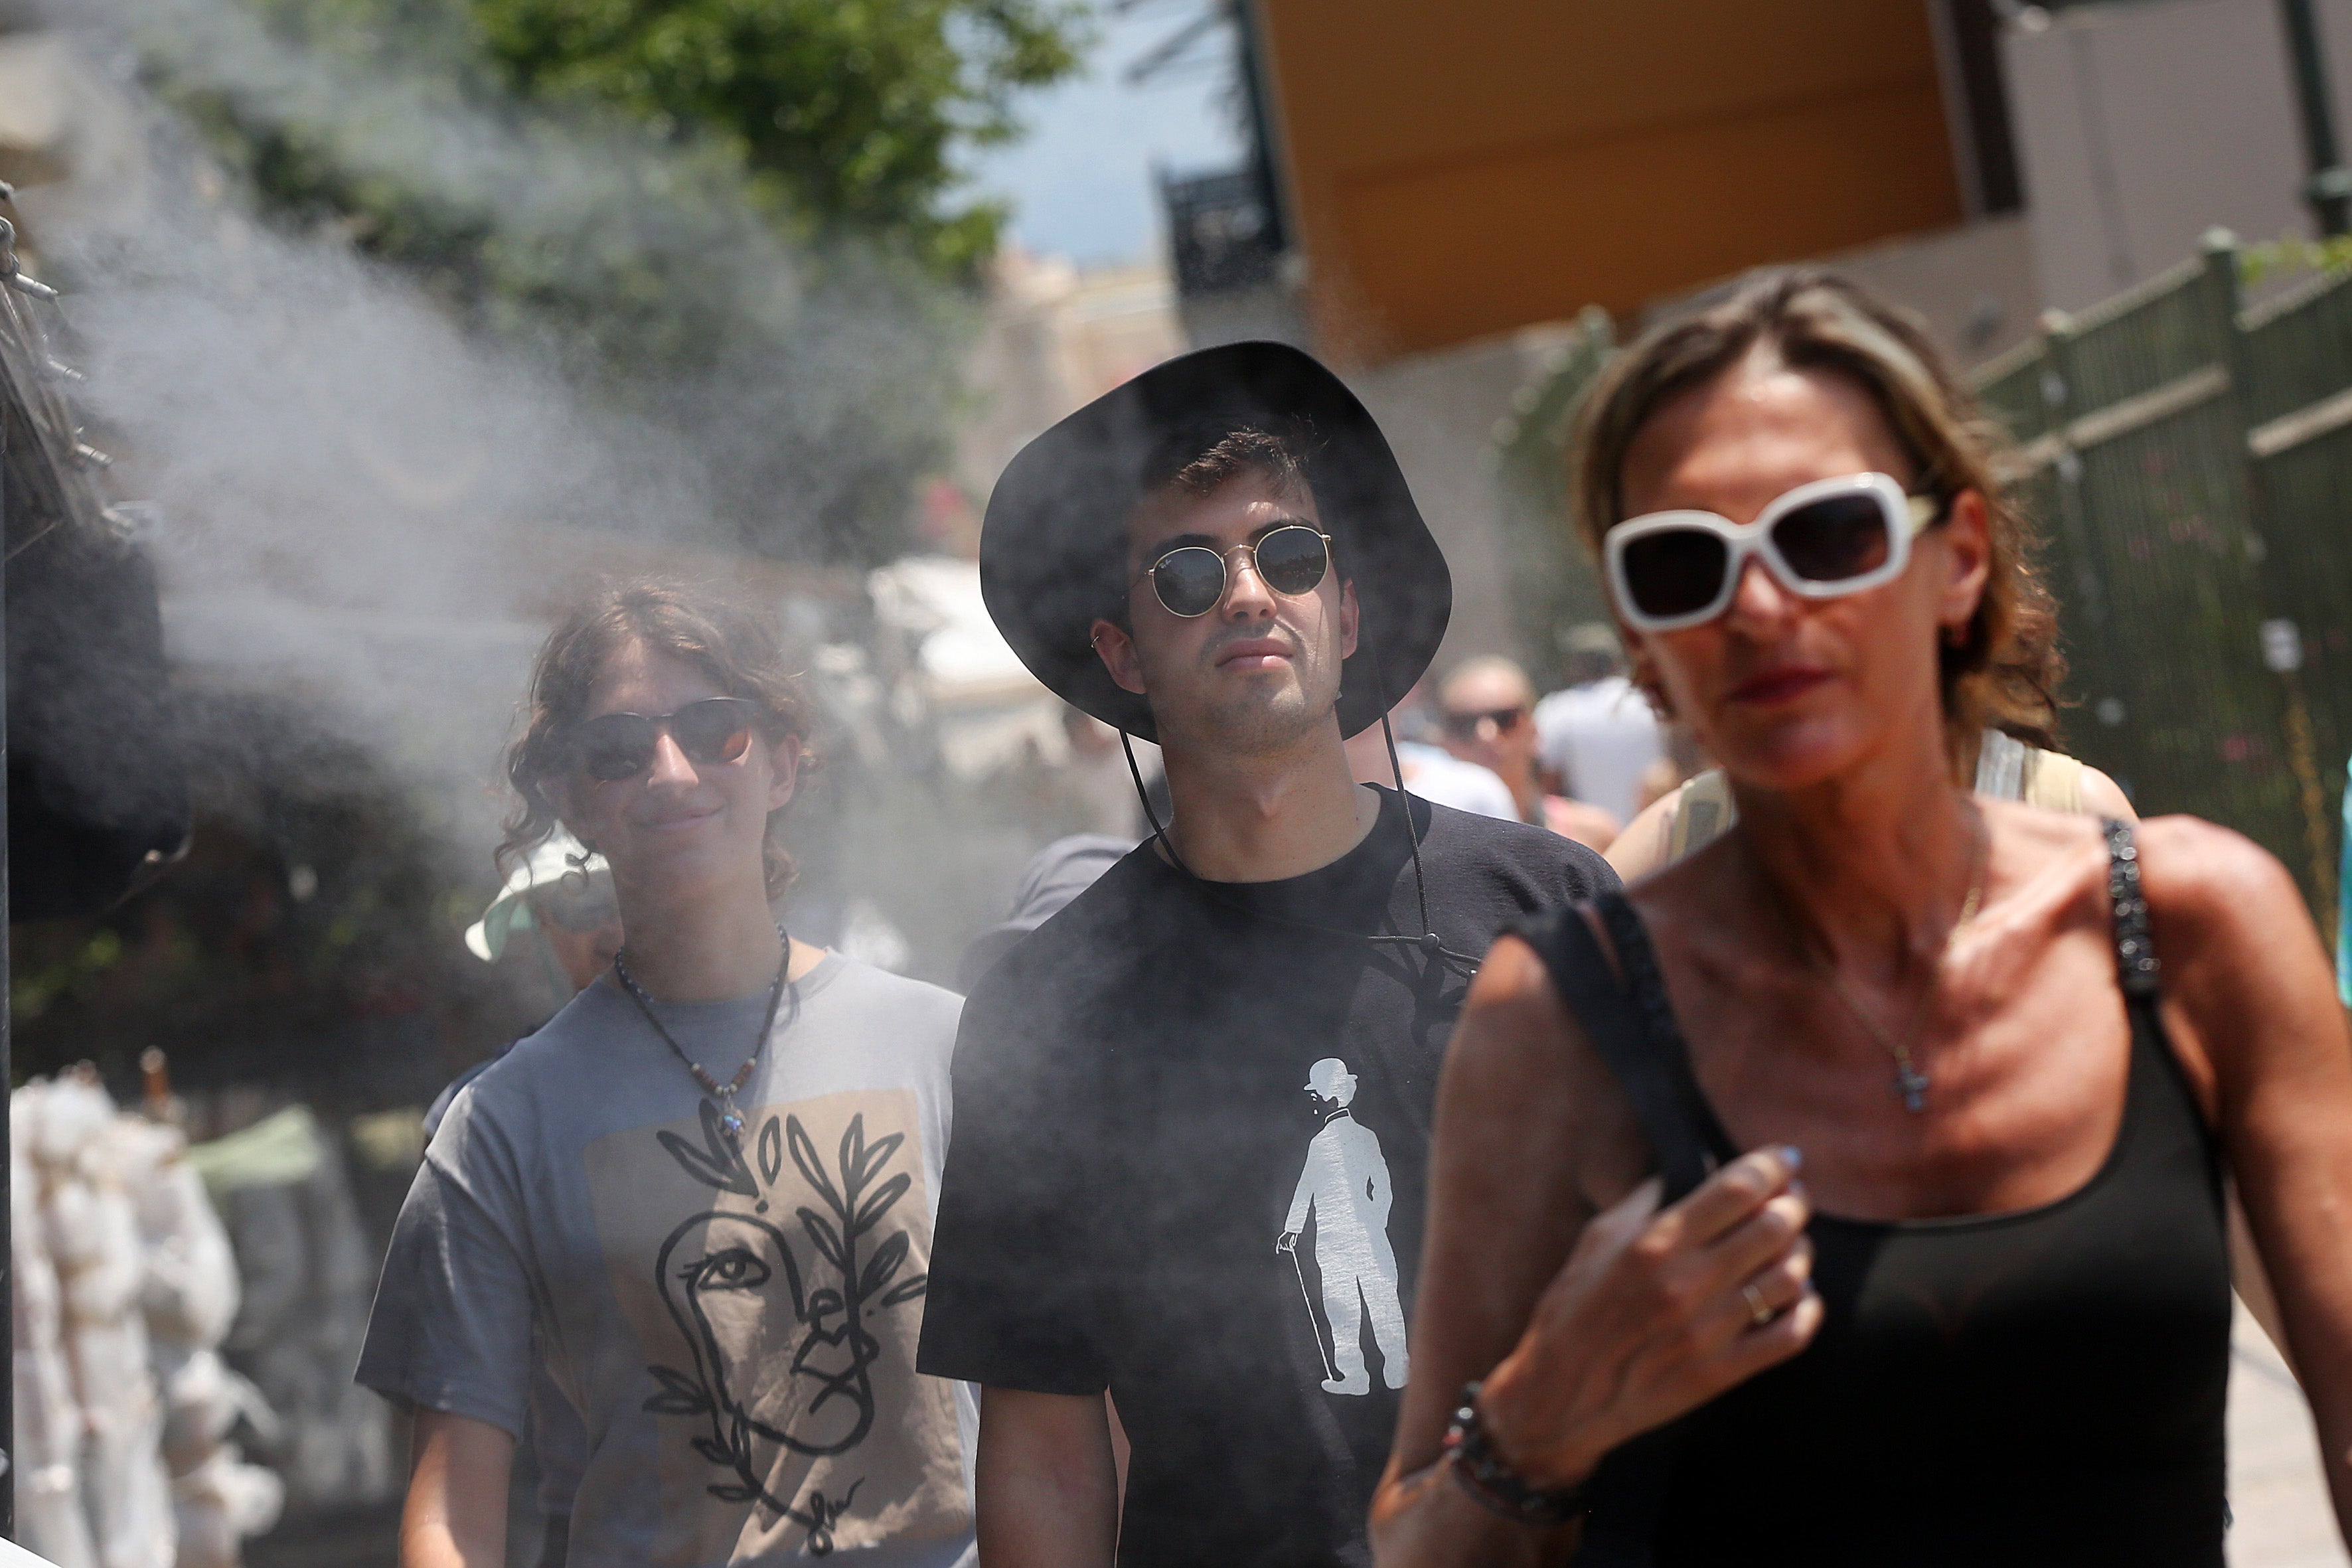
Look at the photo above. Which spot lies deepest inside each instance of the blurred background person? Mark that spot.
(1054, 874)
(563, 894)
(1427, 770)
(1094, 781)
(1487, 709)
(1686, 819)
(1597, 737)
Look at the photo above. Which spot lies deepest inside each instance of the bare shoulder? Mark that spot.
(2102, 796)
(2213, 880)
(2201, 880)
(2248, 992)
(1641, 848)
(1523, 1083)
(1513, 1017)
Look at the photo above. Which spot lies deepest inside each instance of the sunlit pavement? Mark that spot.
(2283, 1517)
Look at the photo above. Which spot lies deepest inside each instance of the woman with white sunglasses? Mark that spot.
(1851, 1190)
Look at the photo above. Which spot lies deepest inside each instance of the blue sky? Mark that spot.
(1080, 182)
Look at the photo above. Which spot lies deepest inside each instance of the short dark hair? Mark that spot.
(1202, 458)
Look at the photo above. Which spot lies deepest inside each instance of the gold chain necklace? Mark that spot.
(1910, 1081)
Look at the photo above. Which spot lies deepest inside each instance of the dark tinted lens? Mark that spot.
(1292, 560)
(1465, 726)
(1675, 572)
(1190, 580)
(616, 746)
(1833, 540)
(717, 730)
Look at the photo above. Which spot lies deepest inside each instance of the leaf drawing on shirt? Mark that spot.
(725, 1274)
(719, 1163)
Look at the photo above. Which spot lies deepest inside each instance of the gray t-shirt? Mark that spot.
(736, 1326)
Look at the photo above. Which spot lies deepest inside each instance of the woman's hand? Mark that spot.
(1654, 1313)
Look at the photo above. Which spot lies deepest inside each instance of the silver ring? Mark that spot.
(1758, 1314)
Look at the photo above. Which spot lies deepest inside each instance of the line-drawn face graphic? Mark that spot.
(781, 1358)
(716, 1272)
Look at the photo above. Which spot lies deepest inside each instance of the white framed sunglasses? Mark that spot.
(1669, 570)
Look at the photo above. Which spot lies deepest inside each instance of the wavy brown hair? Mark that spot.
(733, 645)
(2005, 673)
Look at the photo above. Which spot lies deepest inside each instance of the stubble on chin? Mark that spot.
(1243, 717)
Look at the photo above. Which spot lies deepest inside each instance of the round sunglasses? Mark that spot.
(1190, 579)
(612, 747)
(1669, 570)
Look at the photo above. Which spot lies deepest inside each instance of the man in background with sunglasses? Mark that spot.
(1488, 709)
(1193, 1108)
(561, 896)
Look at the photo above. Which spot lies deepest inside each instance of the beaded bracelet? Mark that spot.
(1483, 1474)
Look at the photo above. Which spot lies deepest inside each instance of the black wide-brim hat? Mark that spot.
(1053, 550)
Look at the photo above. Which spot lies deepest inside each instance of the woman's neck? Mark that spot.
(707, 948)
(1873, 867)
(1261, 819)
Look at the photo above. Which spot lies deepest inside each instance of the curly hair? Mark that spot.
(728, 642)
(2005, 671)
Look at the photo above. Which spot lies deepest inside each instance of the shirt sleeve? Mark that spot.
(1013, 1292)
(1584, 874)
(452, 1322)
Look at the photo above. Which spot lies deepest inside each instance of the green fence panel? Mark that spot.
(2307, 572)
(2166, 649)
(2015, 390)
(2140, 340)
(2297, 348)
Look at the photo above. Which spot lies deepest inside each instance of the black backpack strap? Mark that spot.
(1632, 1027)
(2136, 965)
(1654, 1075)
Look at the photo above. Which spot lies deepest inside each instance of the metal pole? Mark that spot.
(2329, 188)
(1264, 156)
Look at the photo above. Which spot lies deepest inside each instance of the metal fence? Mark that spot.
(2188, 462)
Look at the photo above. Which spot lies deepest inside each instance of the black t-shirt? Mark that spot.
(1192, 1134)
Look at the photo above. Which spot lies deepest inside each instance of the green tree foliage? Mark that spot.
(738, 218)
(849, 111)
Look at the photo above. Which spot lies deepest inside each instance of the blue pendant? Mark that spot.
(1912, 1085)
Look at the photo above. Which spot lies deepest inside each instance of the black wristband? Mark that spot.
(1483, 1474)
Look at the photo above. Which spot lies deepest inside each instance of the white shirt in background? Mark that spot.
(1601, 737)
(1439, 775)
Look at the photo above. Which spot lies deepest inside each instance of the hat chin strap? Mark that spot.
(1428, 941)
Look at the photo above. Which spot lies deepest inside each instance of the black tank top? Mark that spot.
(2042, 1386)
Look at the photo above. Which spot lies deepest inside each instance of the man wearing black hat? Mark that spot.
(1193, 1108)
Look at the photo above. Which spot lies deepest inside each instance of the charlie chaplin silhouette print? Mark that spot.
(1345, 1184)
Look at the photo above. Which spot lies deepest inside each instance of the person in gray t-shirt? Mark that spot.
(706, 1185)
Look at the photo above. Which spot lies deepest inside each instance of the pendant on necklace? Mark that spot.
(1912, 1085)
(731, 1121)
